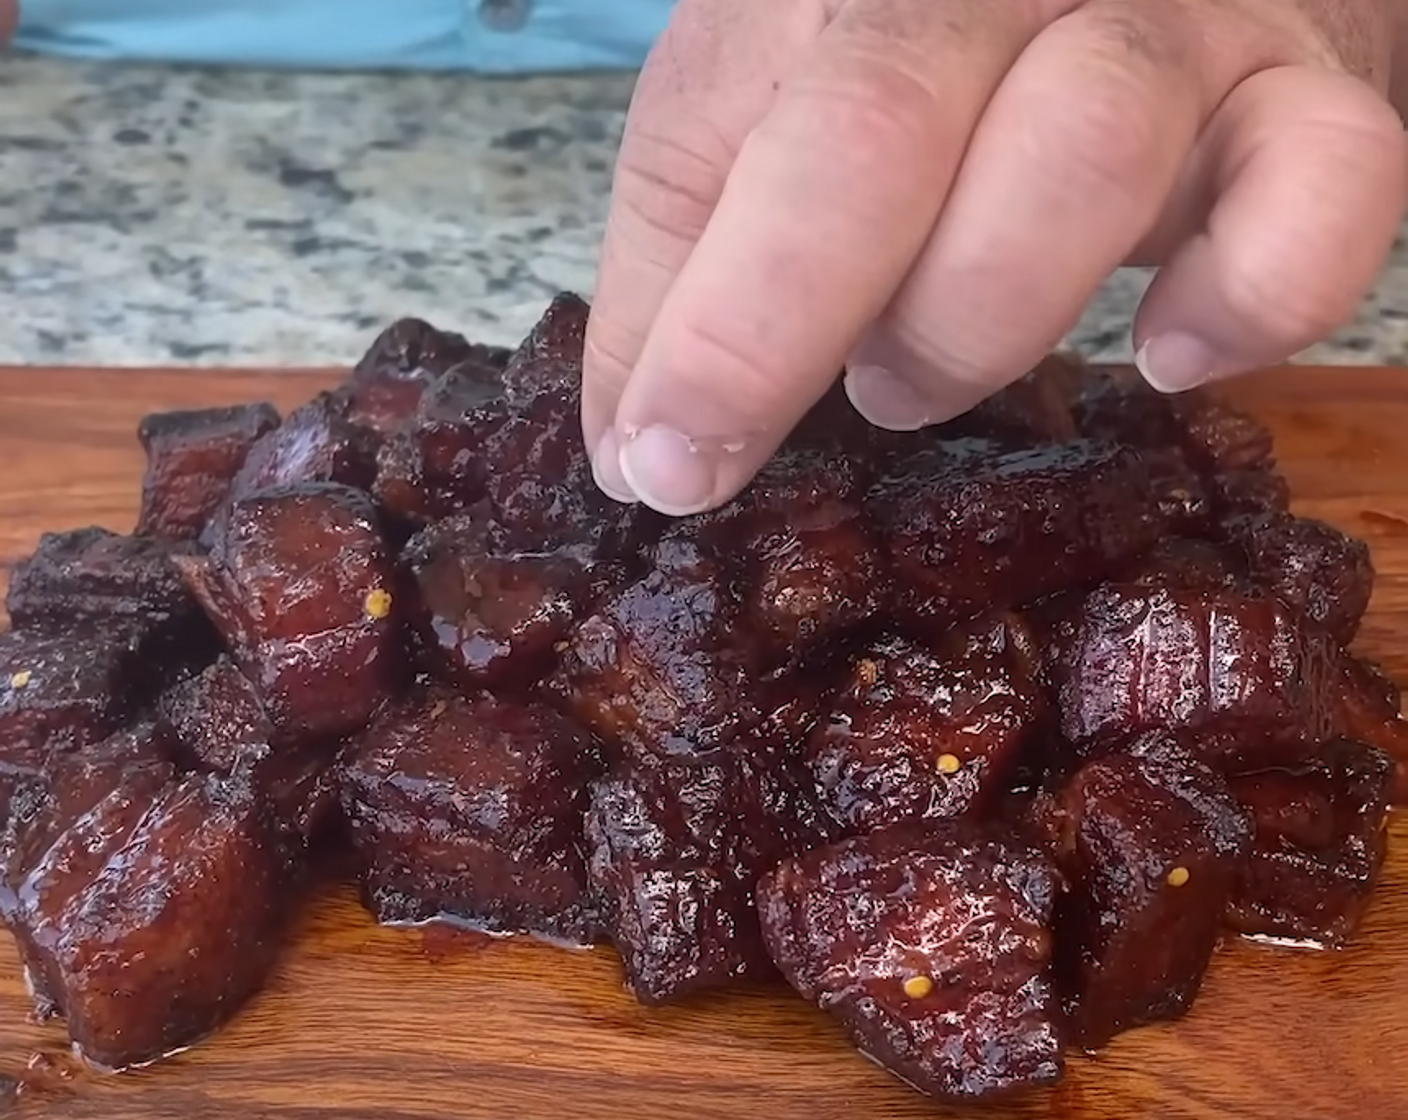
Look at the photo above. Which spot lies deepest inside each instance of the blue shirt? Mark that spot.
(485, 36)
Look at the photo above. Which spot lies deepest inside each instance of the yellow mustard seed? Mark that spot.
(950, 764)
(917, 987)
(1178, 876)
(377, 603)
(21, 679)
(868, 672)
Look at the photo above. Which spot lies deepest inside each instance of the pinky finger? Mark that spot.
(1310, 179)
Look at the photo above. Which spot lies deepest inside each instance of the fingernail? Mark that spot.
(1175, 362)
(885, 400)
(668, 471)
(606, 470)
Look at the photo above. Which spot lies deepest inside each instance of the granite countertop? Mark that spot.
(156, 216)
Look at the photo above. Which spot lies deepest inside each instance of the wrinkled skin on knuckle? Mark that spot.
(667, 182)
(758, 384)
(1354, 35)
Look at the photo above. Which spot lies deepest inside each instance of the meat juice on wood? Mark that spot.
(978, 737)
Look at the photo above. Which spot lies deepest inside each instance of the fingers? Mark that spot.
(830, 199)
(1066, 174)
(700, 93)
(1311, 174)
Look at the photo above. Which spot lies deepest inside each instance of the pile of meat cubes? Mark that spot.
(979, 737)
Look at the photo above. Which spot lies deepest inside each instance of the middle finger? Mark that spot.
(1068, 169)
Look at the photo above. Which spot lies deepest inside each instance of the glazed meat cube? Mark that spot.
(1367, 708)
(969, 530)
(1188, 564)
(385, 388)
(1255, 491)
(92, 578)
(95, 576)
(659, 666)
(59, 693)
(932, 730)
(551, 356)
(1319, 845)
(470, 809)
(150, 921)
(301, 588)
(541, 488)
(217, 724)
(1311, 566)
(1237, 672)
(37, 804)
(438, 464)
(315, 443)
(1033, 409)
(675, 848)
(931, 944)
(488, 617)
(192, 457)
(817, 569)
(1157, 844)
(1121, 407)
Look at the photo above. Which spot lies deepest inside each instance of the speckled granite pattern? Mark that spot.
(152, 216)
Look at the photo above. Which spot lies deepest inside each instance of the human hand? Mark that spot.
(930, 191)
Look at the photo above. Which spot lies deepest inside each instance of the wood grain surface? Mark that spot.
(362, 1023)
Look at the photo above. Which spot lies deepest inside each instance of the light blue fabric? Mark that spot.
(554, 35)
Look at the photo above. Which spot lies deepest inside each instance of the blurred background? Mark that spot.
(160, 216)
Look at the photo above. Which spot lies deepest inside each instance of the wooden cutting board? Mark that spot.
(367, 1024)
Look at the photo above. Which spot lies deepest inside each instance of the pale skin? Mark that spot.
(928, 193)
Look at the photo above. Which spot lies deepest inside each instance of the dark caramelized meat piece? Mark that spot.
(969, 530)
(61, 693)
(551, 356)
(660, 665)
(1237, 672)
(817, 570)
(1319, 845)
(1034, 409)
(489, 617)
(302, 589)
(1157, 844)
(1119, 406)
(1323, 573)
(928, 730)
(541, 487)
(438, 464)
(217, 724)
(1367, 708)
(1256, 491)
(192, 457)
(471, 810)
(1193, 565)
(94, 577)
(150, 921)
(315, 443)
(387, 385)
(44, 801)
(931, 944)
(674, 851)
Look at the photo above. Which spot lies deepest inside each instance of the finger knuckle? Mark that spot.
(969, 352)
(669, 184)
(1286, 297)
(1101, 138)
(739, 364)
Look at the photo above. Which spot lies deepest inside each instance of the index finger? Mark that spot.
(830, 200)
(701, 91)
